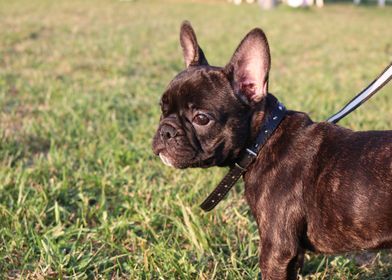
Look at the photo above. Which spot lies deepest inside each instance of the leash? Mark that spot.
(274, 118)
(364, 95)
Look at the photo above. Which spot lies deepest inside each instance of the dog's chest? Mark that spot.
(274, 195)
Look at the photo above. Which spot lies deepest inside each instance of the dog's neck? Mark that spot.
(269, 116)
(259, 115)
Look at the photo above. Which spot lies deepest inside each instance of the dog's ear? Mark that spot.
(193, 54)
(249, 67)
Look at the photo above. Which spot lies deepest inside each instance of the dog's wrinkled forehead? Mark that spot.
(196, 86)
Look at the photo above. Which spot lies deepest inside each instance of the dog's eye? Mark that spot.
(201, 119)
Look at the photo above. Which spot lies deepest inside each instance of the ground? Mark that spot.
(81, 194)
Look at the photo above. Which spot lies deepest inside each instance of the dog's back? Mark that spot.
(350, 203)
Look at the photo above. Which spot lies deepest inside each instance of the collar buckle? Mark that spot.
(247, 158)
(239, 167)
(251, 153)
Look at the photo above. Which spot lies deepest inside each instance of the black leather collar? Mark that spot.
(274, 118)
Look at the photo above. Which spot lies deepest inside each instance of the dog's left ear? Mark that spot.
(249, 67)
(193, 54)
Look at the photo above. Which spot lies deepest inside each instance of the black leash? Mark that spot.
(274, 118)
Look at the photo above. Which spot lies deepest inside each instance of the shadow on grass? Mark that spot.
(28, 146)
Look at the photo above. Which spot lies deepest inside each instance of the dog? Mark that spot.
(312, 186)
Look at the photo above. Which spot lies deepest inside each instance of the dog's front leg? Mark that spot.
(280, 261)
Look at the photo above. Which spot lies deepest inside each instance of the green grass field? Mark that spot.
(81, 194)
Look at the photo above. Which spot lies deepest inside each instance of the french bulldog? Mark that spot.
(313, 186)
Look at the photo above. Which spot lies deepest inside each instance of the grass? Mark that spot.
(81, 194)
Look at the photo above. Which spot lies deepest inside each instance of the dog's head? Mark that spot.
(206, 110)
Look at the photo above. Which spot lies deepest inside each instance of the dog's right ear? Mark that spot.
(249, 67)
(193, 54)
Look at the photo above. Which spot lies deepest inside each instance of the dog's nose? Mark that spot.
(168, 132)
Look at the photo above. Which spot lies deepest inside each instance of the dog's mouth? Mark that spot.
(171, 155)
(166, 160)
(193, 163)
(180, 157)
(172, 162)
